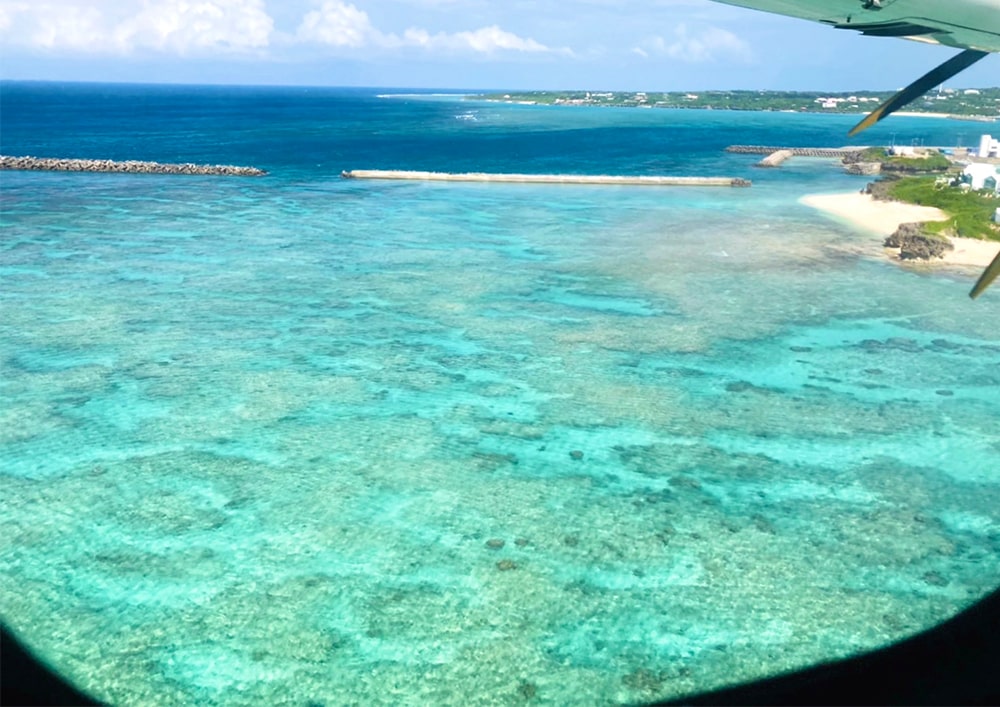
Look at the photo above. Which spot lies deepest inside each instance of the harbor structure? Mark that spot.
(832, 152)
(415, 175)
(988, 146)
(53, 164)
(979, 175)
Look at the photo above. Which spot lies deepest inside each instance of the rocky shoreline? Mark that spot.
(51, 164)
(915, 244)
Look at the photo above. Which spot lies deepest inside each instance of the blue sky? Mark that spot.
(479, 44)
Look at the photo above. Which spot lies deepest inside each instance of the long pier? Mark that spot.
(51, 164)
(545, 178)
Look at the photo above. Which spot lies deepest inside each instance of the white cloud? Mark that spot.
(434, 4)
(177, 26)
(695, 46)
(485, 40)
(51, 25)
(201, 27)
(489, 39)
(71, 28)
(7, 11)
(185, 25)
(338, 24)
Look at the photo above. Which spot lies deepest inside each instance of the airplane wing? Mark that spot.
(971, 25)
(964, 24)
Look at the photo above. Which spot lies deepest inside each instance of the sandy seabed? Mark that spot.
(884, 217)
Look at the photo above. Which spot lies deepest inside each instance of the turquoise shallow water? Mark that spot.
(300, 440)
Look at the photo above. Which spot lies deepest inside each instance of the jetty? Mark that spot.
(51, 164)
(775, 159)
(545, 178)
(776, 156)
(831, 152)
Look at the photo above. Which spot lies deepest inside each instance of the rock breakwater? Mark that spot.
(831, 152)
(51, 164)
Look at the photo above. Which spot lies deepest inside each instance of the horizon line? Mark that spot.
(451, 89)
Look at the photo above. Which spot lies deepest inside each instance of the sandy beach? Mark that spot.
(884, 217)
(952, 116)
(920, 114)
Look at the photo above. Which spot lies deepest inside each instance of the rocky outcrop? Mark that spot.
(50, 164)
(866, 169)
(915, 244)
(879, 190)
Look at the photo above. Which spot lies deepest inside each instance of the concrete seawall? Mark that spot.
(49, 164)
(545, 178)
(775, 159)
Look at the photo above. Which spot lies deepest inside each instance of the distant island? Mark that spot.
(970, 103)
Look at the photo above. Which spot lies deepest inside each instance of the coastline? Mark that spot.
(951, 116)
(975, 117)
(924, 114)
(884, 217)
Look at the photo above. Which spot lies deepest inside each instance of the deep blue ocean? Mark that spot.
(303, 440)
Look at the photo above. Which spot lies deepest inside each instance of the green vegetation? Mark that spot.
(971, 212)
(984, 102)
(933, 161)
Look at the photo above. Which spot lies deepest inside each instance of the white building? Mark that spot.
(988, 147)
(982, 176)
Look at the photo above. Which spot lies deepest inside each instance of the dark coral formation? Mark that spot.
(914, 243)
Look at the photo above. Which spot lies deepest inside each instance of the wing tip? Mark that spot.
(986, 279)
(868, 121)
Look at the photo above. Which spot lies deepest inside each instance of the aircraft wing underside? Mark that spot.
(966, 24)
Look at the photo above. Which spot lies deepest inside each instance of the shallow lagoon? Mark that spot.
(304, 440)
